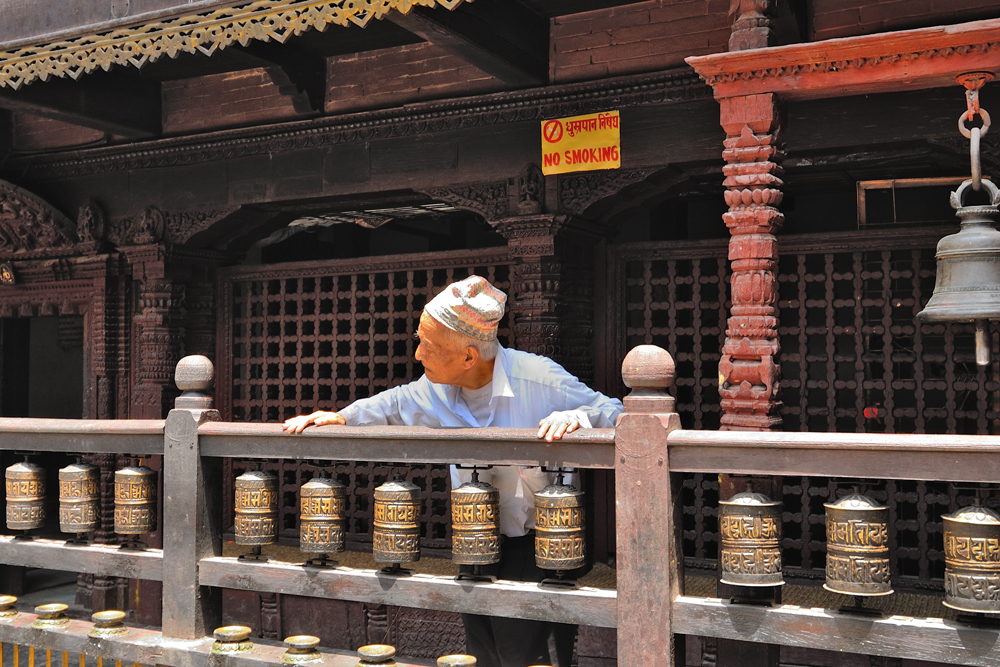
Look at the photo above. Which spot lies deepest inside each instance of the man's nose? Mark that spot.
(419, 353)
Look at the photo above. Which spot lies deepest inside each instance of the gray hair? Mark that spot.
(488, 349)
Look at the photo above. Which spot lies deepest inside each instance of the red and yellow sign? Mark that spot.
(581, 143)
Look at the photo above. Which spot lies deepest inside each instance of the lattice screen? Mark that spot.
(853, 357)
(324, 334)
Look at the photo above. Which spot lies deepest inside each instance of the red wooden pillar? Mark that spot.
(748, 370)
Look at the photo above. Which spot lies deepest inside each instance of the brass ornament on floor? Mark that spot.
(750, 531)
(396, 528)
(972, 560)
(322, 519)
(376, 654)
(25, 486)
(475, 526)
(232, 639)
(560, 530)
(135, 501)
(79, 499)
(256, 511)
(301, 649)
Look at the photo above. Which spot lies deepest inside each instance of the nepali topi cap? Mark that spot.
(472, 307)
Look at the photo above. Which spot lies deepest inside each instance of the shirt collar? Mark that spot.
(501, 383)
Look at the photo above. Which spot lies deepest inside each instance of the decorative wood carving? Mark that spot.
(748, 373)
(885, 62)
(553, 305)
(487, 199)
(157, 335)
(529, 191)
(91, 223)
(29, 226)
(676, 85)
(752, 24)
(156, 226)
(577, 192)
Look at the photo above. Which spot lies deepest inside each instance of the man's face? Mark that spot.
(444, 361)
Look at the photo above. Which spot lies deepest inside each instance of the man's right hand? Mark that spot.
(319, 418)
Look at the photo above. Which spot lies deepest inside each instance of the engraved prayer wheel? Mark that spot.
(135, 500)
(560, 542)
(25, 484)
(322, 516)
(857, 547)
(256, 509)
(396, 534)
(79, 498)
(750, 527)
(972, 560)
(475, 524)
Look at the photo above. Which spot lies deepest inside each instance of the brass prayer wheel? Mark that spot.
(857, 547)
(560, 542)
(322, 516)
(972, 560)
(396, 534)
(135, 500)
(475, 523)
(256, 509)
(25, 484)
(79, 498)
(750, 528)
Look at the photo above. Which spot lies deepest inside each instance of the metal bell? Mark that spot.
(256, 509)
(857, 547)
(750, 528)
(972, 560)
(475, 523)
(79, 498)
(560, 540)
(25, 484)
(396, 529)
(322, 516)
(967, 288)
(135, 500)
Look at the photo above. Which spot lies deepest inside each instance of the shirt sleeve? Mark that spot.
(406, 405)
(594, 409)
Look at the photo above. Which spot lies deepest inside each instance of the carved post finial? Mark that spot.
(648, 370)
(194, 376)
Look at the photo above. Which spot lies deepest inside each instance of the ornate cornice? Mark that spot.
(885, 62)
(675, 85)
(154, 226)
(30, 227)
(205, 33)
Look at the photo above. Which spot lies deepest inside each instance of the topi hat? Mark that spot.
(472, 307)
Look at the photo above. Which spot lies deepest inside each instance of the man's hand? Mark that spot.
(319, 418)
(557, 424)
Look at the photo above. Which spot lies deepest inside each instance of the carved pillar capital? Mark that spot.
(748, 371)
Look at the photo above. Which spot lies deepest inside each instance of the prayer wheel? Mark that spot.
(256, 508)
(560, 542)
(322, 516)
(475, 523)
(857, 547)
(972, 560)
(25, 484)
(750, 527)
(396, 534)
(79, 498)
(135, 500)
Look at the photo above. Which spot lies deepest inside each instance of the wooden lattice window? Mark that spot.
(853, 359)
(319, 335)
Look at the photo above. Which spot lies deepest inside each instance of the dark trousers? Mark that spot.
(514, 642)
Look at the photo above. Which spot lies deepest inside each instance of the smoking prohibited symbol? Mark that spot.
(553, 131)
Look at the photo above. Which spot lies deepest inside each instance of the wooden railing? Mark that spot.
(650, 610)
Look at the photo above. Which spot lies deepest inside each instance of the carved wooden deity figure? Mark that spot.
(748, 373)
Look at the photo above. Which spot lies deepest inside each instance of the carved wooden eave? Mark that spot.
(31, 228)
(195, 33)
(880, 63)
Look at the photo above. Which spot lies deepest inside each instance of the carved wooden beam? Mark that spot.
(500, 37)
(128, 108)
(886, 62)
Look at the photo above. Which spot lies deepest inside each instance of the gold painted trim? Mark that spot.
(262, 20)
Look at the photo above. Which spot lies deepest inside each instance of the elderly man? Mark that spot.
(470, 380)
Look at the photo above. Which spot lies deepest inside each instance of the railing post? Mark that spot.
(649, 559)
(191, 507)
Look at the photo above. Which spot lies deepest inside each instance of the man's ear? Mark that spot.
(471, 356)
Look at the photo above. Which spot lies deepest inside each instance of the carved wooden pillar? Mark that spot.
(199, 324)
(748, 369)
(158, 347)
(553, 285)
(752, 24)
